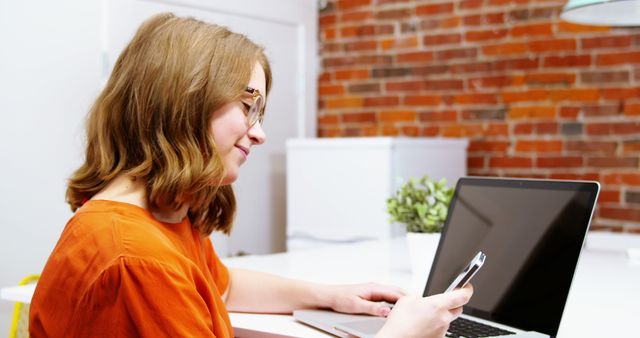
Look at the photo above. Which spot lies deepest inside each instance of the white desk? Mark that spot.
(603, 300)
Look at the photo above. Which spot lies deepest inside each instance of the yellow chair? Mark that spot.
(20, 323)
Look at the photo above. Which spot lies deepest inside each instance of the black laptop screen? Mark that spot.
(532, 233)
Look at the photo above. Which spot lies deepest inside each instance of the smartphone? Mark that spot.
(469, 271)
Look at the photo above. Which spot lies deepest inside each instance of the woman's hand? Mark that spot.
(362, 298)
(425, 317)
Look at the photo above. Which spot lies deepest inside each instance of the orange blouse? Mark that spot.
(118, 272)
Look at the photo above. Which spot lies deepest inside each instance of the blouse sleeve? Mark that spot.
(138, 297)
(219, 271)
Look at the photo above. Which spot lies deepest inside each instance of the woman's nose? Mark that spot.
(257, 134)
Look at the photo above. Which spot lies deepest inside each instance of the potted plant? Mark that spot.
(422, 206)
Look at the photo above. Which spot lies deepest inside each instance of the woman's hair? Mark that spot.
(152, 120)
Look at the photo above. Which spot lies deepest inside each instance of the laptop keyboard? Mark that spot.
(462, 327)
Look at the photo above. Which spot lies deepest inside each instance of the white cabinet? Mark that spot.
(337, 187)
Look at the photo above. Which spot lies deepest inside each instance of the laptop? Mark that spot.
(532, 232)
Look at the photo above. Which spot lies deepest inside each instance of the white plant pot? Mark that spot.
(422, 251)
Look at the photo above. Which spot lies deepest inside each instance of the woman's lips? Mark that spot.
(245, 151)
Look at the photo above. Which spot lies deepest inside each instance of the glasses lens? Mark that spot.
(254, 113)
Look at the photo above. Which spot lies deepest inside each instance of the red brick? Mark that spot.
(564, 26)
(441, 39)
(356, 16)
(626, 128)
(569, 112)
(390, 130)
(580, 95)
(415, 57)
(609, 196)
(507, 2)
(411, 131)
(344, 102)
(497, 129)
(591, 146)
(575, 176)
(410, 42)
(473, 20)
(327, 35)
(347, 4)
(510, 162)
(599, 128)
(330, 132)
(622, 179)
(554, 45)
(435, 9)
(381, 101)
(459, 53)
(510, 48)
(470, 4)
(430, 85)
(364, 88)
(559, 162)
(359, 117)
(326, 20)
(619, 93)
(613, 162)
(516, 64)
(608, 41)
(404, 86)
(395, 14)
(422, 100)
(525, 96)
(328, 119)
(632, 109)
(474, 67)
(331, 90)
(627, 214)
(494, 18)
(601, 110)
(361, 45)
(523, 128)
(532, 112)
(397, 116)
(476, 99)
(618, 58)
(351, 74)
(439, 116)
(324, 77)
(475, 162)
(462, 130)
(491, 34)
(490, 81)
(532, 30)
(548, 79)
(631, 147)
(567, 61)
(605, 77)
(430, 131)
(546, 146)
(488, 146)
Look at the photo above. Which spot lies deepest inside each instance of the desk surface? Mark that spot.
(602, 303)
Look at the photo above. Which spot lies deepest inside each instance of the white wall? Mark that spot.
(50, 70)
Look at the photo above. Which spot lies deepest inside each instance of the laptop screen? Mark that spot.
(531, 232)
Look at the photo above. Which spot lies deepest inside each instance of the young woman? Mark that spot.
(165, 139)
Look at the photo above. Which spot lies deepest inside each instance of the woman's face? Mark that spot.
(231, 131)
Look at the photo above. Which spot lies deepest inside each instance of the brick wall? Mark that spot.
(536, 97)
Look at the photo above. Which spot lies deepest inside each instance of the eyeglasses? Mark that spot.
(255, 113)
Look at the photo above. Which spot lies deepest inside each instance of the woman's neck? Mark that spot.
(127, 189)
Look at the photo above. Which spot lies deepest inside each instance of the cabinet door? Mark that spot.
(287, 30)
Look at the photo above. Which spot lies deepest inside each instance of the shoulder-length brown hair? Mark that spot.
(152, 119)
